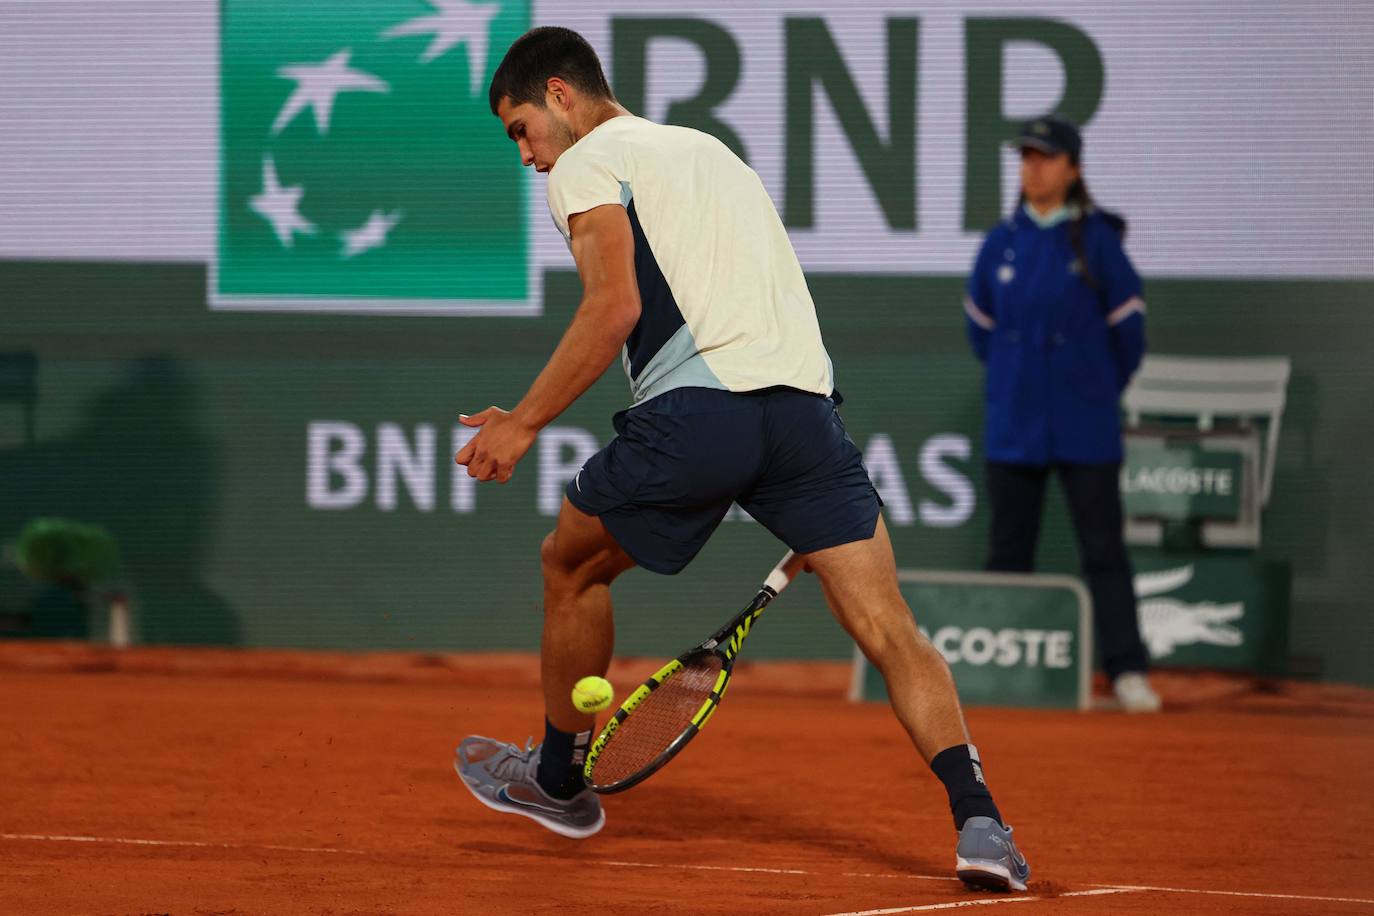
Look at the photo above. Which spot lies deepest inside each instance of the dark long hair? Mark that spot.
(1079, 197)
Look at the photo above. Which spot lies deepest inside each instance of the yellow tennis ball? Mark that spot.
(592, 694)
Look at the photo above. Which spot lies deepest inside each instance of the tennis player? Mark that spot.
(689, 277)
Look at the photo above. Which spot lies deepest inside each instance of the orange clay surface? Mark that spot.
(244, 782)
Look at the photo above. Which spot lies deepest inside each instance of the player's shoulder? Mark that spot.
(592, 148)
(633, 148)
(610, 146)
(614, 135)
(581, 166)
(641, 137)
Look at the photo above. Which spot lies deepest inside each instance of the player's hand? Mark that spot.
(502, 441)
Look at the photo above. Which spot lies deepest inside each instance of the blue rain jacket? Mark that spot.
(1058, 352)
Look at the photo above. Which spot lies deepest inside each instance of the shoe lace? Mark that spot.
(515, 765)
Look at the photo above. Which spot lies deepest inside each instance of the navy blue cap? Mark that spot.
(1051, 135)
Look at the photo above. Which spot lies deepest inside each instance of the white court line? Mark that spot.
(986, 901)
(1101, 888)
(1114, 889)
(864, 874)
(127, 841)
(1190, 890)
(770, 871)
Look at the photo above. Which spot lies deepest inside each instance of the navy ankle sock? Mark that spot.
(962, 773)
(560, 761)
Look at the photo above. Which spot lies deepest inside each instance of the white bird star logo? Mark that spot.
(371, 234)
(318, 84)
(455, 21)
(280, 206)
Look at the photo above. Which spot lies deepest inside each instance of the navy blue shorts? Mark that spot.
(679, 460)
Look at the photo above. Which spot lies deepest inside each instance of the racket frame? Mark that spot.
(725, 643)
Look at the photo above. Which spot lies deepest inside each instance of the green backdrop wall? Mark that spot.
(191, 237)
(185, 431)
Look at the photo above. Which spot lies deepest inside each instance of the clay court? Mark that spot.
(216, 782)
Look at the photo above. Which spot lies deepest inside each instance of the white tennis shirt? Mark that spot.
(724, 302)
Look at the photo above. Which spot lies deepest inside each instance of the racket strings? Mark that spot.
(663, 715)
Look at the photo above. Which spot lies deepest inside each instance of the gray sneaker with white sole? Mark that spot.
(988, 859)
(501, 776)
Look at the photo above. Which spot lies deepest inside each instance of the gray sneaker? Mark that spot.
(987, 858)
(501, 776)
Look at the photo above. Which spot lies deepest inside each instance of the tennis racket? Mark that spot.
(665, 712)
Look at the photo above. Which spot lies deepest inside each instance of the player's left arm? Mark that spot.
(603, 247)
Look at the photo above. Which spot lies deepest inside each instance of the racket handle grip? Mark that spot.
(783, 573)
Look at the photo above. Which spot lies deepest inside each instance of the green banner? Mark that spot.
(362, 169)
(1217, 609)
(1010, 640)
(1179, 482)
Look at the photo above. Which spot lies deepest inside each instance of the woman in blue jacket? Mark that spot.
(1055, 312)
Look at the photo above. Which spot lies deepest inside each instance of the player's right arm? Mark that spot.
(603, 247)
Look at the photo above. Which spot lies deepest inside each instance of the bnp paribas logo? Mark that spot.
(360, 167)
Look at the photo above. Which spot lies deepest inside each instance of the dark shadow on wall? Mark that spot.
(1303, 493)
(141, 464)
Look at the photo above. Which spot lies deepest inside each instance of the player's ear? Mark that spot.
(556, 93)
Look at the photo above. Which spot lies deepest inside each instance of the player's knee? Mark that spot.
(883, 636)
(555, 566)
(573, 574)
(875, 644)
(876, 636)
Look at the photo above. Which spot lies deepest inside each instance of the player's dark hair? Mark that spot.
(541, 54)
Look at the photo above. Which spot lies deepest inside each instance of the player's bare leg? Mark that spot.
(580, 560)
(860, 584)
(544, 783)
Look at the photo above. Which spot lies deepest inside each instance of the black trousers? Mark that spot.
(1017, 495)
